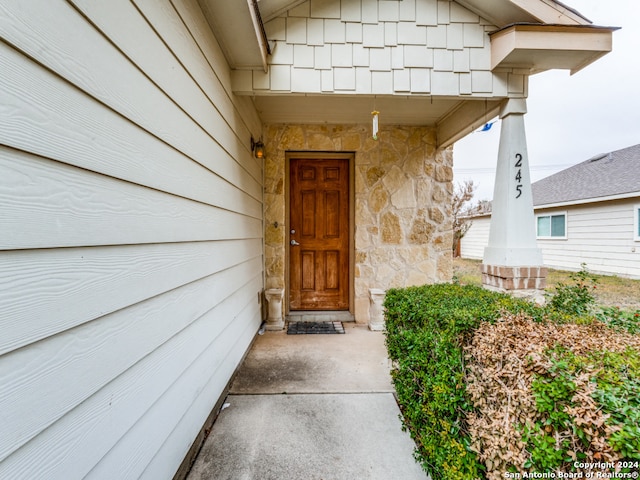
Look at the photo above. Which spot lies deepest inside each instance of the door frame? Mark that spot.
(350, 157)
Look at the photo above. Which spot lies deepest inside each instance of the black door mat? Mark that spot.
(301, 328)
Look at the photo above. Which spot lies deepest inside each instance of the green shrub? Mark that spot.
(576, 298)
(553, 392)
(619, 319)
(617, 393)
(426, 329)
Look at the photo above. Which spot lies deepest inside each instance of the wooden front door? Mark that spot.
(319, 234)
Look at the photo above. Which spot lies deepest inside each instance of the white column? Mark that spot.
(512, 236)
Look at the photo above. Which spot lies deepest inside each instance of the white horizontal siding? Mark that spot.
(599, 235)
(130, 235)
(473, 243)
(218, 361)
(49, 291)
(56, 199)
(52, 120)
(98, 352)
(120, 389)
(96, 66)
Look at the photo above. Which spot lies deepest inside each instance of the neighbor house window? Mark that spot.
(636, 223)
(551, 226)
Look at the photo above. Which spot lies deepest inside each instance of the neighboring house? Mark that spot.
(139, 231)
(588, 213)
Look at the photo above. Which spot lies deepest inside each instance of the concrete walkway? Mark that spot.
(312, 407)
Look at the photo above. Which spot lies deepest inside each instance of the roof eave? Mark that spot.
(238, 27)
(507, 12)
(584, 201)
(539, 47)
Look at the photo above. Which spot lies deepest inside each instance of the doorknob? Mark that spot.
(294, 243)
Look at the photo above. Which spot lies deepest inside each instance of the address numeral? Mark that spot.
(518, 176)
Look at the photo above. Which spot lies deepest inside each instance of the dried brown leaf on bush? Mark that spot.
(499, 385)
(503, 359)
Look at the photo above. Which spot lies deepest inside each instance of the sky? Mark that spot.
(570, 118)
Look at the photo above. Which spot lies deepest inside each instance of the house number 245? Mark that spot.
(519, 175)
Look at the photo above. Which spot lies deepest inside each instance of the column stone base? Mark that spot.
(526, 282)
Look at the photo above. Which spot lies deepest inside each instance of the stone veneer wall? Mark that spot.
(403, 189)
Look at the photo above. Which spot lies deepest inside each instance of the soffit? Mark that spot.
(506, 12)
(238, 32)
(545, 47)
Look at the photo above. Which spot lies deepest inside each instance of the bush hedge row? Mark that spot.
(427, 328)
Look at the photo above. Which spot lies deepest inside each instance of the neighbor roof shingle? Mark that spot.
(613, 173)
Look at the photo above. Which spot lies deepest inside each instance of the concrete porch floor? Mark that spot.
(310, 407)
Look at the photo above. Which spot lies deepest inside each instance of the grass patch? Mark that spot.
(611, 291)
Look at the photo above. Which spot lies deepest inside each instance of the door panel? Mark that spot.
(319, 216)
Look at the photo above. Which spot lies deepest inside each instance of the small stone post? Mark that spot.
(376, 311)
(275, 319)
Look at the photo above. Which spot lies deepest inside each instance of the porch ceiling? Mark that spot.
(350, 109)
(447, 114)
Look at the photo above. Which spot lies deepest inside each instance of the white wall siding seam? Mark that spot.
(60, 66)
(179, 39)
(164, 267)
(172, 87)
(115, 329)
(216, 356)
(89, 420)
(114, 138)
(198, 411)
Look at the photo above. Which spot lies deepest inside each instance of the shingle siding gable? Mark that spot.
(445, 39)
